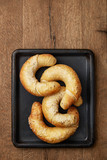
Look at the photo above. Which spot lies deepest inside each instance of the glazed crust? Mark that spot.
(45, 133)
(28, 79)
(69, 77)
(50, 106)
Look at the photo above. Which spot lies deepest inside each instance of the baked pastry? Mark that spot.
(69, 77)
(79, 102)
(49, 134)
(28, 79)
(50, 106)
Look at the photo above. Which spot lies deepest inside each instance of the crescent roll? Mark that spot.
(69, 77)
(45, 133)
(28, 79)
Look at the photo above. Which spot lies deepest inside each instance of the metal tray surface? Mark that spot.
(82, 61)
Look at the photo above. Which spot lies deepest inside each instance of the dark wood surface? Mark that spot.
(53, 24)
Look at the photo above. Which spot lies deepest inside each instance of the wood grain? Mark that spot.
(53, 24)
(11, 31)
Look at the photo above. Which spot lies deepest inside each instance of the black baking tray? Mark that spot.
(82, 61)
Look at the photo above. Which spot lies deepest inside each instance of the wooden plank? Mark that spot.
(93, 21)
(36, 33)
(10, 39)
(66, 23)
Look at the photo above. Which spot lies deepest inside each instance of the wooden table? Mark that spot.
(53, 24)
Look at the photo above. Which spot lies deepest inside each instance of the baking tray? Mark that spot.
(82, 61)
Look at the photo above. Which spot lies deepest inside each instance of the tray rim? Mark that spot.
(88, 143)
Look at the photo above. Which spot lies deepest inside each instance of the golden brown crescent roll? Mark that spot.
(50, 106)
(45, 133)
(69, 77)
(28, 79)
